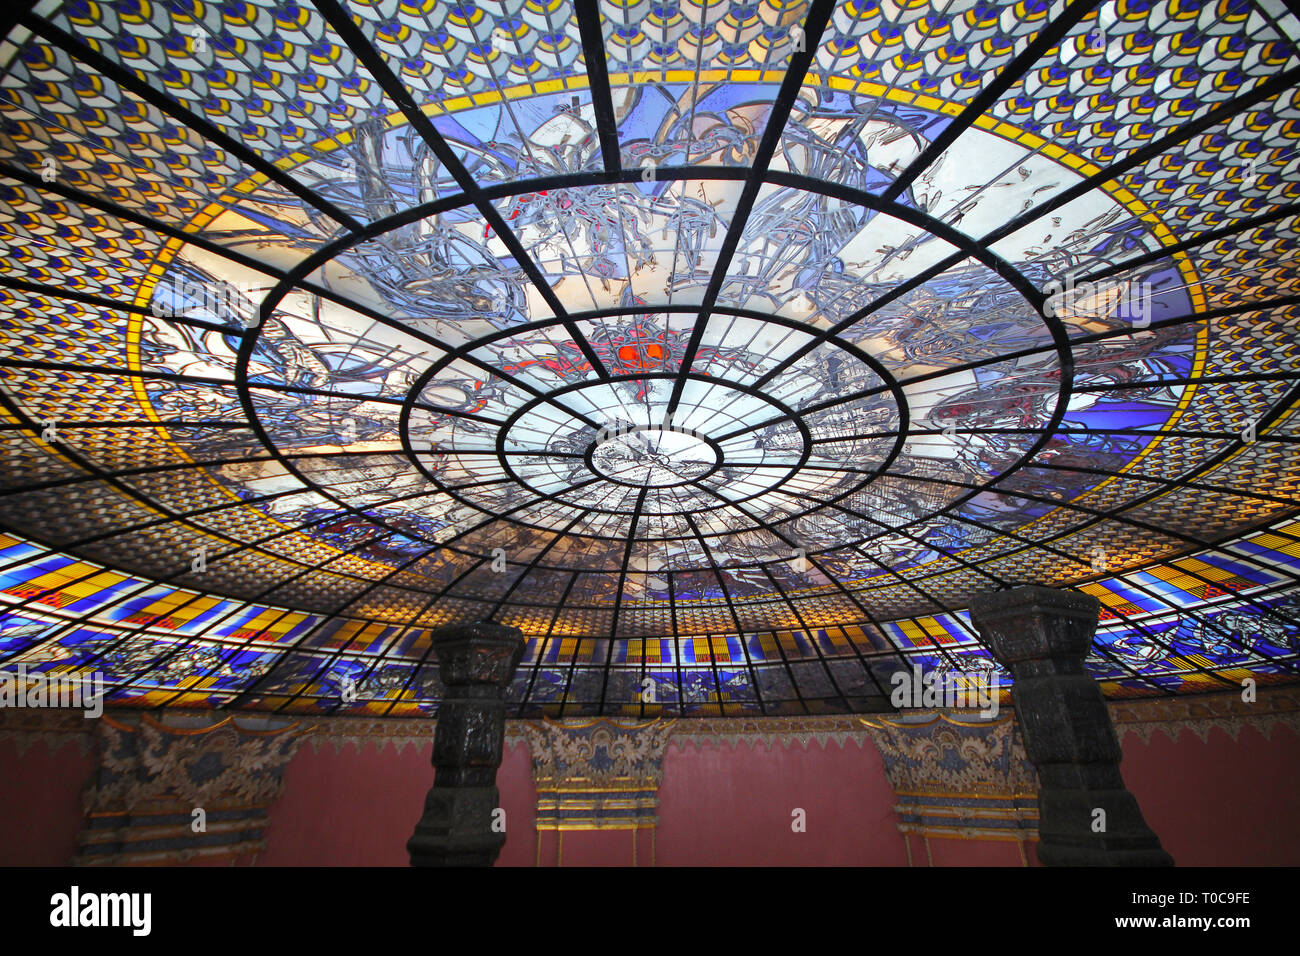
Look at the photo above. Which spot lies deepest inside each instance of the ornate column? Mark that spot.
(1086, 815)
(476, 662)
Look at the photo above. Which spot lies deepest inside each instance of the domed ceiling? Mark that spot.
(726, 349)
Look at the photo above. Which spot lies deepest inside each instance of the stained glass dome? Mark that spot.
(725, 349)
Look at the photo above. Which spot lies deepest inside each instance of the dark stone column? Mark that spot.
(476, 662)
(1042, 636)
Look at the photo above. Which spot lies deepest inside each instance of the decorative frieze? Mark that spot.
(769, 731)
(597, 774)
(1275, 707)
(1228, 712)
(956, 777)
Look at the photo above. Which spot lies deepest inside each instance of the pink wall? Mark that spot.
(40, 802)
(1218, 802)
(720, 805)
(725, 806)
(344, 808)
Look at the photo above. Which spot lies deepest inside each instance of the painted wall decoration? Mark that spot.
(958, 777)
(164, 794)
(597, 775)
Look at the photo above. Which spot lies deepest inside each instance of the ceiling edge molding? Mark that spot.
(1273, 707)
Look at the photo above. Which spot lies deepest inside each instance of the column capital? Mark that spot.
(1033, 623)
(477, 653)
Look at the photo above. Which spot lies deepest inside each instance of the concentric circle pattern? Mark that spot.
(727, 372)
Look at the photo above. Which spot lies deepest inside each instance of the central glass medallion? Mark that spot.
(653, 457)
